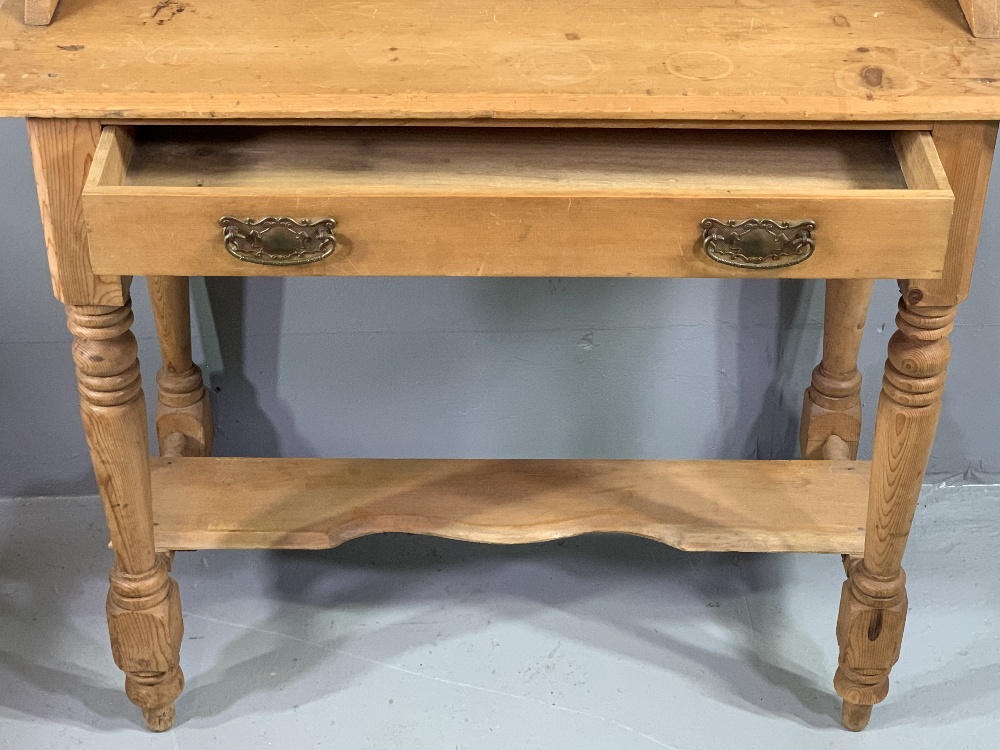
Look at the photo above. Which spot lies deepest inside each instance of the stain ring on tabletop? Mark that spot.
(699, 65)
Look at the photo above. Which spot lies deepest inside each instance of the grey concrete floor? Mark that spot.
(397, 641)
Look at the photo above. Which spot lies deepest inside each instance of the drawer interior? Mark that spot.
(510, 159)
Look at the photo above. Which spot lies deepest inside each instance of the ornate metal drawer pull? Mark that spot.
(279, 241)
(758, 243)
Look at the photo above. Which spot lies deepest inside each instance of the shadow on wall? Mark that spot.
(774, 333)
(250, 417)
(529, 368)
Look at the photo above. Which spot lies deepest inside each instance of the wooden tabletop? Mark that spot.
(757, 60)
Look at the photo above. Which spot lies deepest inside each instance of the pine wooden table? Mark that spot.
(675, 138)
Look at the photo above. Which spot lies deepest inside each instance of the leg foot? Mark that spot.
(144, 619)
(855, 716)
(870, 633)
(161, 719)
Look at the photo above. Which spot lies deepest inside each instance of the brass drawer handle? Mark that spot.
(279, 241)
(758, 243)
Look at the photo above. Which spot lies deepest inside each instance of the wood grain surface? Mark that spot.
(62, 152)
(983, 17)
(831, 406)
(873, 602)
(143, 607)
(39, 12)
(494, 159)
(183, 410)
(752, 506)
(517, 202)
(649, 59)
(966, 151)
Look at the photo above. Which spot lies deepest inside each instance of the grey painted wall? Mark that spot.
(476, 367)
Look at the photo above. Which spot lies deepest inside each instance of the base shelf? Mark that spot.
(745, 506)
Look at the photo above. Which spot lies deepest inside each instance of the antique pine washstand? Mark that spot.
(795, 139)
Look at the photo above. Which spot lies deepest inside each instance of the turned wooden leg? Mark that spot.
(144, 614)
(183, 410)
(831, 407)
(873, 601)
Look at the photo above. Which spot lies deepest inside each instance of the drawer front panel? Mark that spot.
(439, 202)
(882, 237)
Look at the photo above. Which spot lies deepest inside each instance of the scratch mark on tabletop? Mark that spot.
(369, 39)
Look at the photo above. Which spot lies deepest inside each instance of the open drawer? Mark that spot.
(428, 201)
